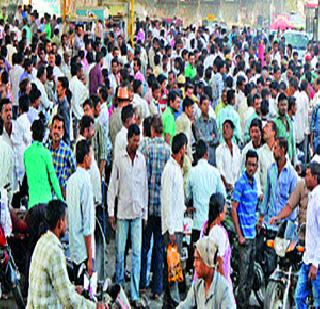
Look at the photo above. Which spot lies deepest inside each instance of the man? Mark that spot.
(169, 124)
(229, 112)
(206, 129)
(15, 74)
(114, 77)
(256, 114)
(309, 276)
(81, 210)
(127, 118)
(138, 102)
(95, 75)
(281, 182)
(62, 156)
(27, 73)
(244, 205)
(266, 153)
(228, 157)
(63, 106)
(211, 290)
(184, 123)
(172, 211)
(203, 181)
(129, 184)
(190, 71)
(35, 101)
(49, 267)
(6, 164)
(79, 91)
(285, 127)
(157, 154)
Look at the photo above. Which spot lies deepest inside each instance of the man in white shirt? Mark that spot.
(138, 101)
(172, 210)
(6, 164)
(228, 157)
(127, 118)
(15, 74)
(309, 275)
(81, 211)
(79, 91)
(129, 183)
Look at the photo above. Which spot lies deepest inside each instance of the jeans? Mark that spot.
(121, 237)
(305, 287)
(153, 228)
(247, 253)
(171, 290)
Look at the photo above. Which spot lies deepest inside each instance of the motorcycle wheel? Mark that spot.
(274, 295)
(18, 297)
(259, 287)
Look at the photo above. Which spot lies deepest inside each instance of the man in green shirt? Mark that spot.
(285, 126)
(169, 124)
(47, 29)
(41, 175)
(190, 71)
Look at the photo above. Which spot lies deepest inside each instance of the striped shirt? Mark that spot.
(246, 194)
(157, 154)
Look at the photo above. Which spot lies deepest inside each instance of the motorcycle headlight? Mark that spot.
(281, 245)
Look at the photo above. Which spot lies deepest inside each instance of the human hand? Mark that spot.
(112, 222)
(274, 220)
(241, 240)
(313, 272)
(89, 267)
(172, 239)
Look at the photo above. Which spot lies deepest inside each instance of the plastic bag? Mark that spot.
(175, 273)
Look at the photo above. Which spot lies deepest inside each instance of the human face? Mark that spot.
(199, 266)
(227, 131)
(192, 60)
(133, 143)
(294, 109)
(257, 105)
(251, 166)
(115, 68)
(89, 132)
(268, 132)
(1, 64)
(97, 110)
(277, 151)
(189, 111)
(60, 90)
(175, 104)
(157, 94)
(88, 111)
(57, 131)
(224, 97)
(6, 113)
(311, 181)
(88, 159)
(205, 107)
(135, 67)
(283, 107)
(63, 225)
(255, 135)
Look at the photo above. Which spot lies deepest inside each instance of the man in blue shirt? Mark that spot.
(281, 182)
(244, 207)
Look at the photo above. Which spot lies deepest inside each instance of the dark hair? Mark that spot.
(85, 123)
(55, 211)
(186, 103)
(230, 122)
(201, 149)
(173, 94)
(230, 96)
(283, 143)
(64, 82)
(178, 142)
(291, 102)
(147, 126)
(216, 206)
(315, 170)
(24, 103)
(35, 94)
(58, 118)
(75, 68)
(38, 130)
(251, 154)
(82, 149)
(1, 126)
(157, 124)
(136, 84)
(282, 97)
(133, 130)
(256, 122)
(264, 107)
(127, 112)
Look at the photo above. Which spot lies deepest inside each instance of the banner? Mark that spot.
(47, 6)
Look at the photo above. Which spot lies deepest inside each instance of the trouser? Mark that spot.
(121, 237)
(247, 254)
(303, 146)
(305, 287)
(194, 238)
(36, 227)
(171, 290)
(78, 272)
(153, 228)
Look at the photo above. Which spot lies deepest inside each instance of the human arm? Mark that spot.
(235, 221)
(113, 192)
(214, 134)
(190, 300)
(53, 177)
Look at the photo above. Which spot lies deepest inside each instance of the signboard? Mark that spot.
(94, 13)
(47, 6)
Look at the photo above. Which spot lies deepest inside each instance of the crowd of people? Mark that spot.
(172, 126)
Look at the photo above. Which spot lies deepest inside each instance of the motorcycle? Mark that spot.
(9, 273)
(282, 282)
